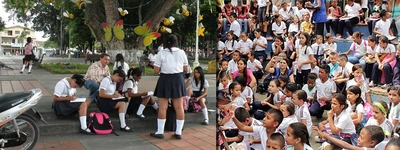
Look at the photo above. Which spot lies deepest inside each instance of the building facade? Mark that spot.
(13, 39)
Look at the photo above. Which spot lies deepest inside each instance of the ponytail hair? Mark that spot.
(134, 72)
(172, 41)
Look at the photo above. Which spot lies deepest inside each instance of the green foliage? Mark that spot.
(50, 44)
(2, 24)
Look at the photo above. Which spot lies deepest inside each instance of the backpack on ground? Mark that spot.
(193, 106)
(100, 123)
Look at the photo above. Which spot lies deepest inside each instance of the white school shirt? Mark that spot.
(247, 93)
(278, 29)
(245, 46)
(394, 112)
(152, 57)
(239, 101)
(273, 47)
(229, 46)
(364, 3)
(286, 122)
(315, 70)
(129, 84)
(261, 40)
(304, 55)
(318, 49)
(383, 26)
(357, 109)
(293, 27)
(221, 45)
(347, 69)
(262, 3)
(325, 89)
(195, 87)
(389, 49)
(277, 97)
(235, 27)
(352, 11)
(125, 67)
(300, 12)
(364, 87)
(285, 13)
(247, 135)
(332, 48)
(360, 49)
(221, 86)
(171, 62)
(232, 66)
(252, 65)
(302, 112)
(107, 85)
(261, 131)
(372, 51)
(343, 121)
(310, 93)
(386, 125)
(63, 89)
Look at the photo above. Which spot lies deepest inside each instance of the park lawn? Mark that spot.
(77, 68)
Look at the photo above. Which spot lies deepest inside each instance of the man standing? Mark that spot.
(96, 72)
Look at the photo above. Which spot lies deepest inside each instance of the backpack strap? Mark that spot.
(133, 82)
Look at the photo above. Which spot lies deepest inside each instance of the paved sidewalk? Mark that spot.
(195, 136)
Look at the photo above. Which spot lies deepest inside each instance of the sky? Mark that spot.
(4, 15)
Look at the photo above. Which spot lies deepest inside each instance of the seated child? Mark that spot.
(253, 139)
(199, 87)
(325, 89)
(107, 91)
(291, 87)
(340, 123)
(131, 89)
(302, 112)
(357, 79)
(224, 68)
(288, 111)
(356, 107)
(255, 66)
(275, 99)
(380, 110)
(295, 132)
(393, 144)
(225, 113)
(309, 88)
(272, 120)
(224, 81)
(235, 90)
(64, 94)
(394, 98)
(370, 136)
(246, 91)
(276, 141)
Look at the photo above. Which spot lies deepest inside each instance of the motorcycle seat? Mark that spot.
(9, 100)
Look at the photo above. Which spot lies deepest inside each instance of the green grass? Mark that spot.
(77, 68)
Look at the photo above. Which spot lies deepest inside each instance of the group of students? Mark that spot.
(107, 96)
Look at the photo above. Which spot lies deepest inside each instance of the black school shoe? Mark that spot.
(177, 136)
(125, 129)
(85, 131)
(160, 136)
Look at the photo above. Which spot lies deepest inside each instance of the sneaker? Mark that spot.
(385, 86)
(371, 84)
(318, 139)
(205, 122)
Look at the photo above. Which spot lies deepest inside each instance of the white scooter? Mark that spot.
(18, 128)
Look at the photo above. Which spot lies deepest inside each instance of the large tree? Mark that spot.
(95, 13)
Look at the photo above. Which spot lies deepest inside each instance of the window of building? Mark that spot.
(13, 41)
(27, 32)
(9, 32)
(17, 32)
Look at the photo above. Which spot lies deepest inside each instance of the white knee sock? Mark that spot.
(179, 126)
(23, 67)
(160, 126)
(30, 68)
(155, 106)
(205, 113)
(140, 109)
(122, 120)
(126, 106)
(82, 119)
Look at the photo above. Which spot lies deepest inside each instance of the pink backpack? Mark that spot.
(193, 106)
(28, 50)
(100, 123)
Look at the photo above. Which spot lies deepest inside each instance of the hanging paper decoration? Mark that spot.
(201, 30)
(81, 3)
(68, 15)
(168, 21)
(143, 30)
(165, 29)
(200, 18)
(183, 11)
(117, 29)
(122, 12)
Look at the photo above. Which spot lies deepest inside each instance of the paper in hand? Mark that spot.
(78, 100)
(118, 98)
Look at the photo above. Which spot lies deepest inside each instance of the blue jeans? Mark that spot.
(357, 59)
(317, 110)
(243, 24)
(93, 88)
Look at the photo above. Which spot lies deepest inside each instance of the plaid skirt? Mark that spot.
(170, 86)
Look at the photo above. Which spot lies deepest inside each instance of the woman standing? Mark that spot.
(29, 56)
(171, 62)
(120, 63)
(319, 16)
